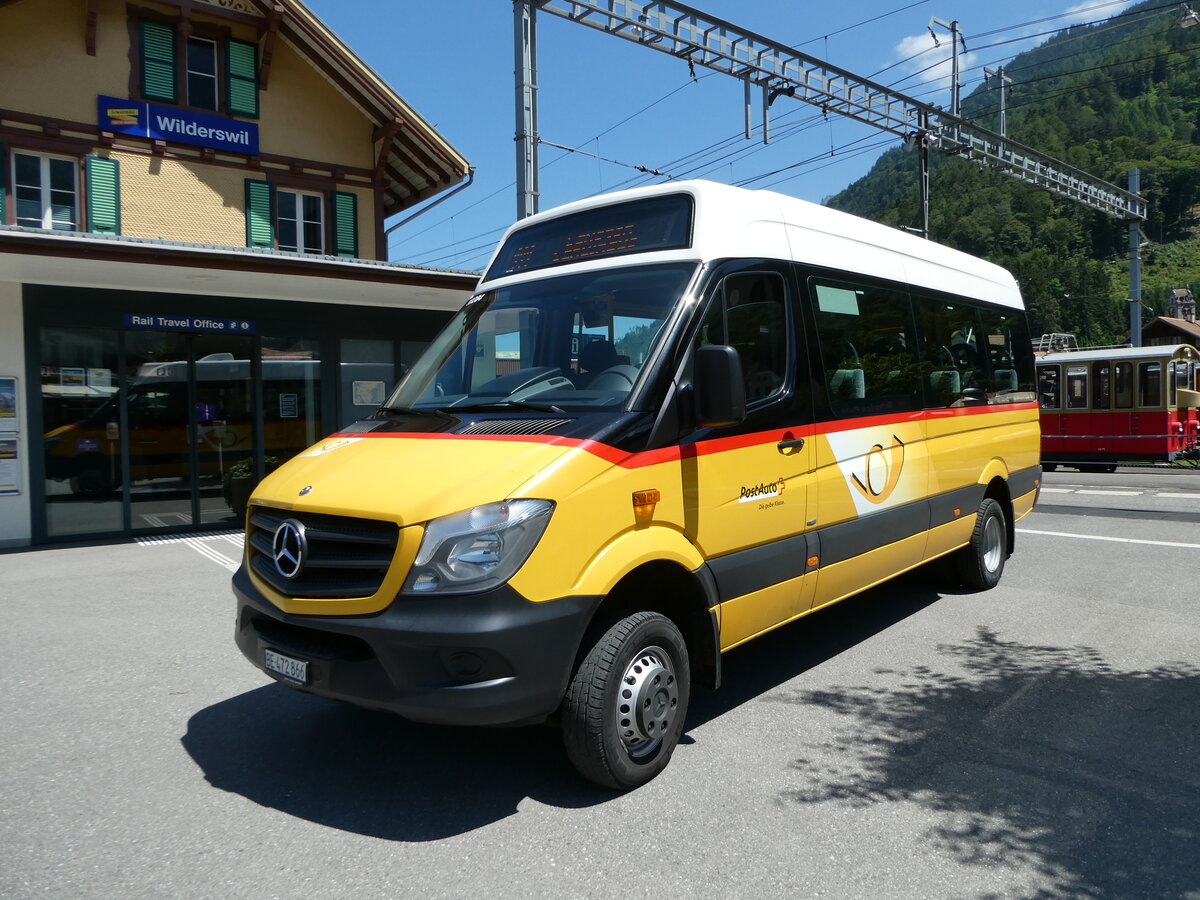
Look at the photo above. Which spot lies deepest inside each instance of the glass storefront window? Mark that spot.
(367, 376)
(291, 376)
(82, 430)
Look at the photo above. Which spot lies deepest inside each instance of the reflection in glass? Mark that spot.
(82, 440)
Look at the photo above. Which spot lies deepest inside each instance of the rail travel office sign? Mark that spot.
(166, 123)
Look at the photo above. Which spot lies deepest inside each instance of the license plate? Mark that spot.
(294, 670)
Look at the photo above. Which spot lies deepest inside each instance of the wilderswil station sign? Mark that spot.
(166, 123)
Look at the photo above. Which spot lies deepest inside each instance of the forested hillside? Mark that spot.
(1105, 98)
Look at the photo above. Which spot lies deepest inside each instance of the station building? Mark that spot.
(194, 281)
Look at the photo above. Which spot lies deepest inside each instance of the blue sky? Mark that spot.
(453, 60)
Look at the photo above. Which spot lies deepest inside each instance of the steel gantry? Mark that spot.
(779, 70)
(703, 40)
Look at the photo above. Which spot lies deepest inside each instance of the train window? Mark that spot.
(1101, 398)
(1048, 388)
(1150, 384)
(1123, 385)
(1178, 380)
(1077, 393)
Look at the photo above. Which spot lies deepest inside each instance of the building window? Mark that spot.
(221, 74)
(46, 191)
(202, 73)
(300, 221)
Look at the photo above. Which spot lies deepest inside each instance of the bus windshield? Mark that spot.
(568, 343)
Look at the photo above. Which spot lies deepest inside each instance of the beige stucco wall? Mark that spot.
(177, 200)
(301, 114)
(46, 69)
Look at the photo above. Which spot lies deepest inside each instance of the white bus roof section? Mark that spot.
(1158, 351)
(732, 222)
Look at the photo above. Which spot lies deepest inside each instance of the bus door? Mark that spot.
(872, 458)
(747, 486)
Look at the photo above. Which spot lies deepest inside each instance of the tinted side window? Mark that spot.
(750, 315)
(867, 346)
(1008, 354)
(953, 351)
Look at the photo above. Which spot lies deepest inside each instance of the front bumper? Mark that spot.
(492, 658)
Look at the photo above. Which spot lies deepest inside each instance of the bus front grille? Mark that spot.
(341, 556)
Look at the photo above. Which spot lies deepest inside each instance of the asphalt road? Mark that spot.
(1037, 740)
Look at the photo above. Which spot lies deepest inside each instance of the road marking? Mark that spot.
(1047, 490)
(1116, 540)
(1113, 493)
(202, 544)
(1180, 496)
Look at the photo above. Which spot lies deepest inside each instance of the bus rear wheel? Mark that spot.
(624, 709)
(981, 563)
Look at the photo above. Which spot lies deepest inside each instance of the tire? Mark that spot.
(981, 563)
(624, 710)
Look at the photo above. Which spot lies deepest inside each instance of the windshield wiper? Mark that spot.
(404, 411)
(506, 404)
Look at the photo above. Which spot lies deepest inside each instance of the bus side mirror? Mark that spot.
(719, 387)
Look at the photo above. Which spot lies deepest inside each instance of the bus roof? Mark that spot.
(733, 222)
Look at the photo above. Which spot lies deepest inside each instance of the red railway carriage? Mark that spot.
(1124, 404)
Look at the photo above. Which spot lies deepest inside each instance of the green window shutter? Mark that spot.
(260, 224)
(103, 195)
(243, 78)
(158, 61)
(345, 224)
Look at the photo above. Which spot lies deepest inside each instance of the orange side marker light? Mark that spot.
(643, 505)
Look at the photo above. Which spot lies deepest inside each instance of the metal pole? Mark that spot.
(923, 151)
(525, 52)
(954, 93)
(1135, 267)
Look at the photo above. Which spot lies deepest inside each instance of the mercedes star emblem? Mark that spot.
(289, 547)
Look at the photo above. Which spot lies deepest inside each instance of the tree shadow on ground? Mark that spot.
(1047, 761)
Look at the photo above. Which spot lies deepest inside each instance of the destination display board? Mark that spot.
(640, 226)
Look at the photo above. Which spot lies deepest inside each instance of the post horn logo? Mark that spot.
(882, 471)
(289, 546)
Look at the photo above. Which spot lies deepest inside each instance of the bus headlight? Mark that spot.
(478, 548)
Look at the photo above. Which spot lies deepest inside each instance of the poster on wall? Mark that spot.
(10, 468)
(9, 419)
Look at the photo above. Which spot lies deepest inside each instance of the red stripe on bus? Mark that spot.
(637, 460)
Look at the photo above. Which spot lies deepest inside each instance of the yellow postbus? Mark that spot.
(670, 420)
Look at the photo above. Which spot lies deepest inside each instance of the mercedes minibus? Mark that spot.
(669, 420)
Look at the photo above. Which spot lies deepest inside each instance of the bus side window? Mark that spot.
(1009, 356)
(1077, 387)
(1101, 399)
(1150, 384)
(951, 352)
(1123, 385)
(1048, 392)
(867, 342)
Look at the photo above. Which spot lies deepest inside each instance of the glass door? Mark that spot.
(190, 422)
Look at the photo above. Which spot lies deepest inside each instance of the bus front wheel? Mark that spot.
(981, 563)
(624, 709)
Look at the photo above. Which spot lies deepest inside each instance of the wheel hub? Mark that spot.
(993, 544)
(648, 701)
